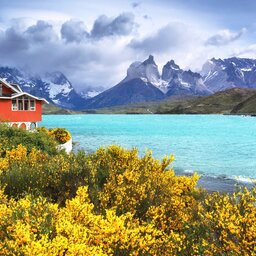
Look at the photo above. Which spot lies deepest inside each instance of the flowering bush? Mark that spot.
(113, 202)
(61, 135)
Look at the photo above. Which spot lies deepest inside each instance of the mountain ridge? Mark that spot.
(147, 84)
(143, 82)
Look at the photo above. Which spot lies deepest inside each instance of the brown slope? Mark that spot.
(220, 102)
(246, 107)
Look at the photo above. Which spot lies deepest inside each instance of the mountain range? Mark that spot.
(54, 86)
(143, 82)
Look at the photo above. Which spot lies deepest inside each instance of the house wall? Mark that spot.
(6, 113)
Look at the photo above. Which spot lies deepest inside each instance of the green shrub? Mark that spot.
(11, 137)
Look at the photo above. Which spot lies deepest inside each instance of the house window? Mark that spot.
(32, 105)
(14, 105)
(23, 103)
(20, 104)
(26, 104)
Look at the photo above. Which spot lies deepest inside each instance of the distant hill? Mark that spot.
(219, 103)
(50, 109)
(235, 100)
(246, 107)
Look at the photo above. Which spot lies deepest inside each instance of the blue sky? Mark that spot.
(94, 42)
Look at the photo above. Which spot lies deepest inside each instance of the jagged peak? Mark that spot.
(191, 73)
(149, 60)
(171, 64)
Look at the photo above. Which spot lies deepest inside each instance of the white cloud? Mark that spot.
(121, 25)
(74, 31)
(97, 51)
(89, 62)
(224, 37)
(172, 36)
(246, 52)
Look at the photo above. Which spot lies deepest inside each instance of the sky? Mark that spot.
(94, 42)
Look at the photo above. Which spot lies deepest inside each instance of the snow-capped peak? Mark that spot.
(228, 73)
(57, 84)
(54, 86)
(170, 69)
(146, 71)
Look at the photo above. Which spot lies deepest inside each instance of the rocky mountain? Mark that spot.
(54, 87)
(127, 92)
(143, 82)
(180, 82)
(219, 75)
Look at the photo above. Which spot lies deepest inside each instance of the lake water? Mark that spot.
(218, 147)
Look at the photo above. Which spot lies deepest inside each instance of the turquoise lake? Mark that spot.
(212, 145)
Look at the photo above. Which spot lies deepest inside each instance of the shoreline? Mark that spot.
(220, 184)
(84, 112)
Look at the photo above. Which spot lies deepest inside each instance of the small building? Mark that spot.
(18, 108)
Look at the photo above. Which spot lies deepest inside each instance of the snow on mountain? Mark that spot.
(143, 82)
(233, 72)
(173, 80)
(55, 87)
(187, 83)
(147, 71)
(170, 70)
(180, 82)
(90, 93)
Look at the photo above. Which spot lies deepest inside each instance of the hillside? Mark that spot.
(50, 109)
(246, 107)
(223, 102)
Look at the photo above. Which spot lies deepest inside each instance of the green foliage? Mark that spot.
(12, 137)
(61, 135)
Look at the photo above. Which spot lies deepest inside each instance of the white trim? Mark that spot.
(29, 104)
(24, 93)
(9, 85)
(17, 86)
(18, 92)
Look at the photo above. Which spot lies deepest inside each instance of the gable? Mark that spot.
(7, 89)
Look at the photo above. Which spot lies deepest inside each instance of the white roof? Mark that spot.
(19, 92)
(15, 95)
(10, 86)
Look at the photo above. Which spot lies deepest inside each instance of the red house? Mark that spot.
(18, 108)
